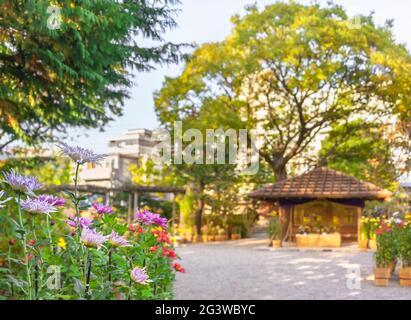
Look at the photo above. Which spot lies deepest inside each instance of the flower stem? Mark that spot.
(10, 271)
(49, 234)
(36, 259)
(109, 265)
(33, 227)
(78, 231)
(88, 274)
(76, 202)
(24, 240)
(130, 283)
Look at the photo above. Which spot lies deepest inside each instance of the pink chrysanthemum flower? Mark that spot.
(102, 209)
(139, 275)
(36, 206)
(84, 222)
(117, 241)
(21, 183)
(55, 201)
(92, 239)
(146, 217)
(2, 202)
(81, 155)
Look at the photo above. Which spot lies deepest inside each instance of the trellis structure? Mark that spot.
(133, 192)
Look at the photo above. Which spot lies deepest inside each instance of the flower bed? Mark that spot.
(99, 256)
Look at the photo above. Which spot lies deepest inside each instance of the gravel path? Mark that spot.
(246, 269)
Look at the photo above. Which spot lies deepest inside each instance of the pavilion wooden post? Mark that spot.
(359, 216)
(284, 213)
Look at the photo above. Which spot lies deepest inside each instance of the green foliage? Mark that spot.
(274, 229)
(404, 245)
(77, 75)
(293, 71)
(386, 249)
(38, 243)
(358, 148)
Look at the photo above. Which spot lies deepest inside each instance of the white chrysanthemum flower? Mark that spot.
(81, 155)
(2, 202)
(37, 206)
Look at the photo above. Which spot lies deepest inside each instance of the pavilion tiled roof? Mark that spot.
(321, 183)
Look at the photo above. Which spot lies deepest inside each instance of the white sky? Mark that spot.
(203, 21)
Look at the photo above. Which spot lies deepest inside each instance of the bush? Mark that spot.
(274, 229)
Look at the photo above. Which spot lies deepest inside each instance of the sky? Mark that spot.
(202, 21)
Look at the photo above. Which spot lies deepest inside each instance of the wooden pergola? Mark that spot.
(320, 184)
(133, 192)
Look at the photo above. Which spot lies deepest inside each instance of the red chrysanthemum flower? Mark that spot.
(178, 267)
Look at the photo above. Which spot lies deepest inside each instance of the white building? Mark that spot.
(131, 148)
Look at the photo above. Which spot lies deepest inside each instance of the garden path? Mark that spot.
(247, 269)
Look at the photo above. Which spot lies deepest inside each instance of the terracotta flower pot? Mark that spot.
(405, 276)
(382, 276)
(235, 236)
(363, 245)
(276, 243)
(372, 244)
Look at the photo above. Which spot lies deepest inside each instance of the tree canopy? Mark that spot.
(360, 149)
(78, 74)
(292, 71)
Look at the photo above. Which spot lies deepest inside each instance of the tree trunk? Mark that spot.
(280, 173)
(199, 210)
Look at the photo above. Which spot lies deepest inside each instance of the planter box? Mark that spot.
(382, 276)
(318, 240)
(221, 238)
(363, 245)
(372, 244)
(235, 236)
(276, 243)
(405, 277)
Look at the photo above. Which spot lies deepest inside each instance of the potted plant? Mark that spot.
(236, 234)
(385, 255)
(404, 251)
(274, 232)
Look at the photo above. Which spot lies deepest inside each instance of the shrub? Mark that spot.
(274, 229)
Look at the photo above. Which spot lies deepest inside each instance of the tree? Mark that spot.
(292, 71)
(359, 149)
(77, 75)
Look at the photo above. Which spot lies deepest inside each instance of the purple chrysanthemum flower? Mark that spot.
(21, 183)
(56, 201)
(146, 217)
(139, 275)
(92, 239)
(36, 206)
(2, 202)
(81, 155)
(102, 209)
(84, 222)
(117, 241)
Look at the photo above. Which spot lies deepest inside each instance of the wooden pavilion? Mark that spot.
(320, 197)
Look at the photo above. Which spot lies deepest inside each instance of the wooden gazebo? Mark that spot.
(321, 196)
